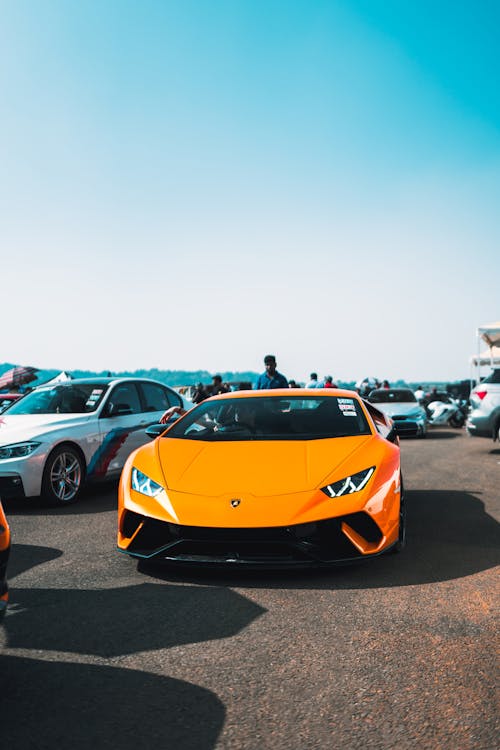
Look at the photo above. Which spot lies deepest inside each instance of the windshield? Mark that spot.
(493, 377)
(388, 395)
(272, 418)
(60, 399)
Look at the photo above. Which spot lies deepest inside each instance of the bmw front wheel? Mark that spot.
(63, 476)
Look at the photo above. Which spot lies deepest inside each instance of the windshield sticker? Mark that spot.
(349, 413)
(96, 392)
(346, 401)
(347, 408)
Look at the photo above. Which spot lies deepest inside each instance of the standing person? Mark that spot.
(329, 382)
(313, 383)
(420, 394)
(199, 394)
(271, 378)
(218, 386)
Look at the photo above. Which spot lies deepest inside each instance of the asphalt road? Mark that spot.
(396, 653)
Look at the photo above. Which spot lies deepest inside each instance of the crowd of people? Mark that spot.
(272, 378)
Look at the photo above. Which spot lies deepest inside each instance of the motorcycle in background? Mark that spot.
(452, 411)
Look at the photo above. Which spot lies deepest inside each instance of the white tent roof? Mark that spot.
(488, 357)
(63, 377)
(490, 333)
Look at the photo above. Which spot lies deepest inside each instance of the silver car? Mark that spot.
(484, 415)
(58, 437)
(401, 405)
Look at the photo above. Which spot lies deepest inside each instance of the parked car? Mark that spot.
(484, 414)
(271, 478)
(401, 405)
(6, 399)
(4, 556)
(60, 436)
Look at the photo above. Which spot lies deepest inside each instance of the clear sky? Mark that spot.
(193, 184)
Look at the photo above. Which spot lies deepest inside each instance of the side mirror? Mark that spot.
(392, 436)
(156, 429)
(119, 410)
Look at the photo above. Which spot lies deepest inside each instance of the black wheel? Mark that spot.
(496, 433)
(63, 476)
(399, 546)
(457, 420)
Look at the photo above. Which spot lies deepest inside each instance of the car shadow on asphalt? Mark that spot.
(125, 620)
(449, 536)
(47, 705)
(437, 434)
(95, 498)
(23, 557)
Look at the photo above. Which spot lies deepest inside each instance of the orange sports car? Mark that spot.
(272, 478)
(4, 556)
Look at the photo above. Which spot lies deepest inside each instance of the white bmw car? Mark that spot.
(58, 437)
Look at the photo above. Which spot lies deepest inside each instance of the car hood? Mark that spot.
(261, 468)
(20, 427)
(400, 407)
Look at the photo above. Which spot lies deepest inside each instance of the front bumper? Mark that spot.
(11, 485)
(408, 427)
(22, 477)
(479, 426)
(334, 541)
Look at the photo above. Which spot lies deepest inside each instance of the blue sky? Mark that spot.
(191, 185)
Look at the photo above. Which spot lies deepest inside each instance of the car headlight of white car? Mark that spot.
(145, 485)
(17, 450)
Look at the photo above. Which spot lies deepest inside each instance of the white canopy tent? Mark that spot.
(63, 377)
(488, 357)
(489, 334)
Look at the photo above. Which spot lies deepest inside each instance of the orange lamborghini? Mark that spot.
(4, 556)
(270, 478)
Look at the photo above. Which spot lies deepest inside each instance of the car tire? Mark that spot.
(496, 433)
(63, 476)
(401, 541)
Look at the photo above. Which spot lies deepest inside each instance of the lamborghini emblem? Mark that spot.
(235, 502)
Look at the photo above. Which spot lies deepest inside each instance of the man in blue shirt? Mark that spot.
(271, 378)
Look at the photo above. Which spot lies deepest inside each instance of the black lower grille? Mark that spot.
(317, 542)
(11, 487)
(364, 525)
(406, 428)
(153, 535)
(130, 523)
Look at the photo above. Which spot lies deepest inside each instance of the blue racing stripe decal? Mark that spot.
(108, 450)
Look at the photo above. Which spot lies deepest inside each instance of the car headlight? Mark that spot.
(17, 450)
(144, 484)
(351, 484)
